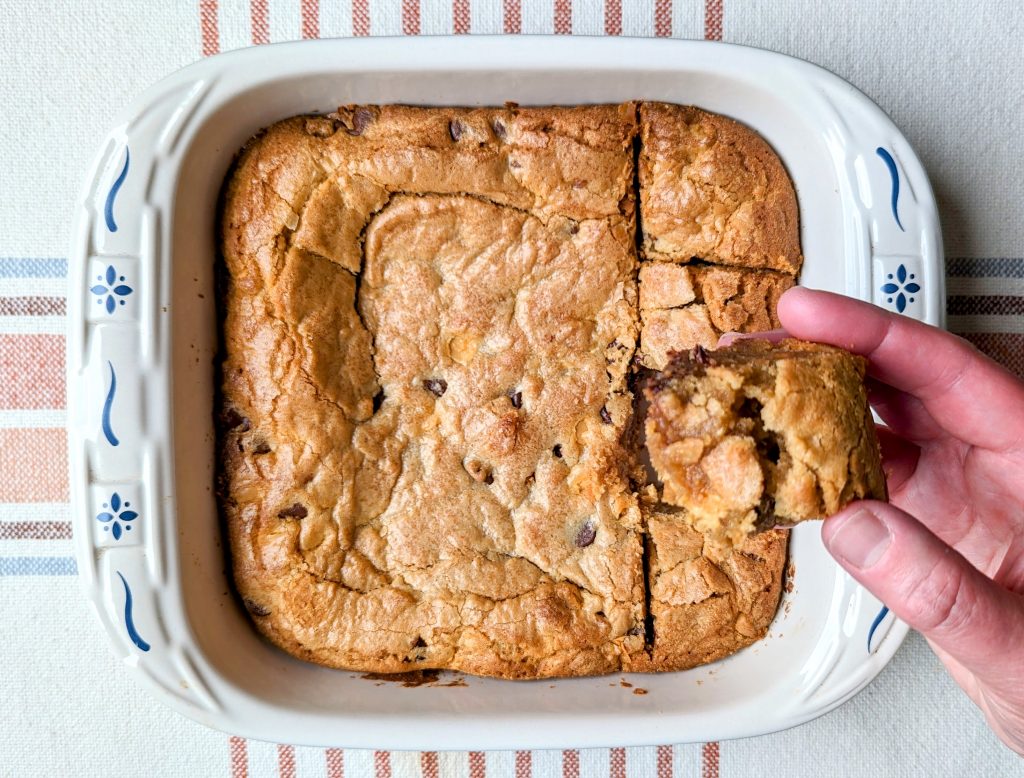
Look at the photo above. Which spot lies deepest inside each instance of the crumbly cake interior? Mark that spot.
(430, 321)
(759, 434)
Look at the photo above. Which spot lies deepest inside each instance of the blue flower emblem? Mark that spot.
(110, 292)
(117, 514)
(902, 288)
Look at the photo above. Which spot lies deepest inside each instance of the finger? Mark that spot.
(967, 393)
(899, 459)
(903, 413)
(728, 338)
(932, 588)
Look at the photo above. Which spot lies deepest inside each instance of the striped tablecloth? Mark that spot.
(950, 75)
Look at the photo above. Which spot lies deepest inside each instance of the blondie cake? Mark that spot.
(760, 434)
(431, 319)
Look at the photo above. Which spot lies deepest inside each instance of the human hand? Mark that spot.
(947, 554)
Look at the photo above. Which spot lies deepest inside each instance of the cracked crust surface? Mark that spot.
(714, 190)
(425, 394)
(429, 320)
(759, 434)
(706, 601)
(682, 306)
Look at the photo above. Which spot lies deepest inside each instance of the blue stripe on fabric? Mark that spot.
(997, 267)
(33, 267)
(38, 565)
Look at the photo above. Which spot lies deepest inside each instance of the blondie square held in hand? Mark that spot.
(761, 434)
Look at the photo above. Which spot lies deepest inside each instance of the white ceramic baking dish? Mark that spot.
(141, 378)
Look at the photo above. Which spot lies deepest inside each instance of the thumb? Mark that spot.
(931, 587)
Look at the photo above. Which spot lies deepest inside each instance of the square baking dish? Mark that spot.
(143, 339)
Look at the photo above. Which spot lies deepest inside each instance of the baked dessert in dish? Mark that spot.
(430, 320)
(759, 434)
(707, 601)
(714, 190)
(682, 306)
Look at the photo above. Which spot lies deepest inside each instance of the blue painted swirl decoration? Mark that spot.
(875, 624)
(128, 623)
(108, 208)
(108, 404)
(894, 174)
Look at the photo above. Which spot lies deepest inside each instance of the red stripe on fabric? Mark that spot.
(361, 18)
(32, 306)
(32, 371)
(410, 17)
(35, 530)
(208, 27)
(335, 763)
(563, 17)
(310, 10)
(461, 17)
(709, 760)
(1007, 348)
(664, 761)
(713, 12)
(477, 764)
(524, 764)
(239, 757)
(428, 764)
(571, 764)
(382, 764)
(613, 17)
(617, 763)
(286, 761)
(34, 464)
(512, 17)
(663, 18)
(259, 21)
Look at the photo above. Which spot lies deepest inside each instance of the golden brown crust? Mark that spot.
(707, 602)
(428, 473)
(713, 190)
(429, 323)
(758, 434)
(682, 306)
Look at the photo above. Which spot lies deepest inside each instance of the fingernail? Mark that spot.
(860, 539)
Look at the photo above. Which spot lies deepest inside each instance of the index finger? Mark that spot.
(968, 394)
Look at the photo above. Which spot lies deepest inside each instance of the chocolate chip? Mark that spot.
(378, 400)
(699, 355)
(455, 129)
(420, 643)
(574, 228)
(361, 119)
(517, 399)
(605, 416)
(499, 129)
(514, 164)
(297, 511)
(262, 448)
(233, 419)
(436, 386)
(557, 450)
(255, 608)
(530, 479)
(585, 535)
